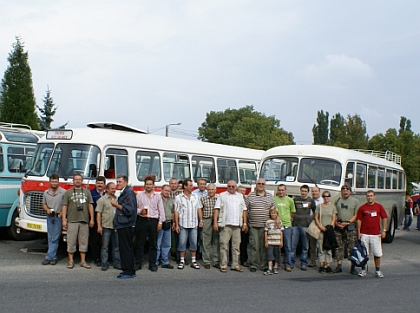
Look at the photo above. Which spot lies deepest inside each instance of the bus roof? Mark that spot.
(130, 137)
(330, 152)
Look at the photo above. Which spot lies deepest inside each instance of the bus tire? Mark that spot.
(392, 227)
(22, 235)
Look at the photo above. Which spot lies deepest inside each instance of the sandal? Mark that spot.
(223, 270)
(85, 265)
(195, 265)
(181, 265)
(70, 265)
(238, 269)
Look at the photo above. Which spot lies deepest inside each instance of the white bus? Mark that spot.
(330, 167)
(110, 149)
(17, 146)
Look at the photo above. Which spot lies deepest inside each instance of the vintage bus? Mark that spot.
(330, 167)
(109, 149)
(17, 146)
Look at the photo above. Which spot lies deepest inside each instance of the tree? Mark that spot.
(244, 127)
(338, 131)
(320, 130)
(356, 137)
(17, 100)
(47, 112)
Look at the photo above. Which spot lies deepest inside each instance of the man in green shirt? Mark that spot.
(286, 209)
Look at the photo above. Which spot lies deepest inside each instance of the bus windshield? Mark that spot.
(319, 171)
(279, 169)
(66, 160)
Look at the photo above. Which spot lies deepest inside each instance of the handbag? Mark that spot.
(313, 230)
(166, 225)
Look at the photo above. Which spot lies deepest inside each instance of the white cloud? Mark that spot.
(337, 70)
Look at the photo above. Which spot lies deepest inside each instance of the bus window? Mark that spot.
(401, 183)
(20, 137)
(349, 174)
(320, 171)
(19, 158)
(279, 169)
(1, 160)
(148, 163)
(203, 167)
(116, 162)
(372, 176)
(361, 175)
(176, 165)
(388, 179)
(381, 178)
(227, 170)
(247, 172)
(394, 180)
(41, 159)
(70, 159)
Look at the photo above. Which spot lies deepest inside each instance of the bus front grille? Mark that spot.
(33, 204)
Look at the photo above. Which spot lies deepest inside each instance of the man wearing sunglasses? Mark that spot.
(345, 227)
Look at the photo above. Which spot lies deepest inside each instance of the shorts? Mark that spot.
(273, 254)
(373, 243)
(187, 234)
(78, 231)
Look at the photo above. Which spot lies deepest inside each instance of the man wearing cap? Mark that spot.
(345, 227)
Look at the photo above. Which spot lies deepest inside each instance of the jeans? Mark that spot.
(407, 221)
(185, 235)
(418, 222)
(54, 233)
(287, 244)
(110, 235)
(299, 233)
(163, 246)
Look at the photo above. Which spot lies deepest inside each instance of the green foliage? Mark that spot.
(47, 112)
(244, 127)
(320, 130)
(356, 136)
(17, 100)
(338, 131)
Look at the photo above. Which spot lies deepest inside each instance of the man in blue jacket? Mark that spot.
(124, 223)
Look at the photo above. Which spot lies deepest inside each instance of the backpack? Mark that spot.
(359, 256)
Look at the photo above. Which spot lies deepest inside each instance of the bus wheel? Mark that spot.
(392, 227)
(19, 234)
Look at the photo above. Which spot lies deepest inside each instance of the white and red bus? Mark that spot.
(110, 149)
(331, 167)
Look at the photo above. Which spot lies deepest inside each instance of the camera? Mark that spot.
(80, 207)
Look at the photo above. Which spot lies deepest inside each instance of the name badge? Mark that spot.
(305, 205)
(373, 214)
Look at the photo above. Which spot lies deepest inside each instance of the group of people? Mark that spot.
(218, 226)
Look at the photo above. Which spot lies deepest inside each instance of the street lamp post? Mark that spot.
(167, 128)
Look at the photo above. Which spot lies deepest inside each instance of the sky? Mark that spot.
(149, 64)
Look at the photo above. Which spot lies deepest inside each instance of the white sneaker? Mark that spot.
(362, 273)
(379, 274)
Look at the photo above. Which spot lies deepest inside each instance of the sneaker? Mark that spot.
(338, 270)
(329, 270)
(168, 266)
(362, 273)
(312, 264)
(53, 262)
(288, 269)
(126, 276)
(275, 270)
(322, 270)
(268, 272)
(303, 267)
(46, 262)
(379, 274)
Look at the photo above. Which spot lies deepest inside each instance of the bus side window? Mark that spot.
(349, 174)
(148, 163)
(1, 160)
(247, 172)
(15, 159)
(203, 167)
(388, 179)
(116, 162)
(227, 170)
(401, 183)
(361, 175)
(176, 165)
(372, 176)
(394, 179)
(381, 178)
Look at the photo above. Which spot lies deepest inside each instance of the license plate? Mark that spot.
(34, 226)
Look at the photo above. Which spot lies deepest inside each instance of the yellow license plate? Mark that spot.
(34, 226)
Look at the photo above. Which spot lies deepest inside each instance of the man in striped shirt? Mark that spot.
(258, 204)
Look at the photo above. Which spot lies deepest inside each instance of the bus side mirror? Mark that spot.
(92, 170)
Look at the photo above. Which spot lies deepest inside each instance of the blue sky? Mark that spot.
(151, 63)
